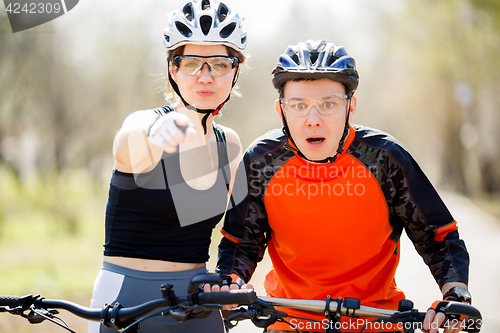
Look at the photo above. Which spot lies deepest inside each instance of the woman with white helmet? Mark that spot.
(173, 170)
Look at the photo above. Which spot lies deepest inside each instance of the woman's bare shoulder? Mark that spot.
(231, 135)
(139, 117)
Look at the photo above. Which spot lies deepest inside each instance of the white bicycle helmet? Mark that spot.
(205, 22)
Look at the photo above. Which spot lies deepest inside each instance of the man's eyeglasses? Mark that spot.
(192, 65)
(326, 105)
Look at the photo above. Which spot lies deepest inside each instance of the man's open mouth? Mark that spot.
(315, 140)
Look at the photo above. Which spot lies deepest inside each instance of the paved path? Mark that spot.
(481, 233)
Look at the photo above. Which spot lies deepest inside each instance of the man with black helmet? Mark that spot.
(329, 200)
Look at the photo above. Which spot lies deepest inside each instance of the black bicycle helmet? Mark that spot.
(316, 59)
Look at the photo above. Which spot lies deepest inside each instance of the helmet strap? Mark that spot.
(286, 131)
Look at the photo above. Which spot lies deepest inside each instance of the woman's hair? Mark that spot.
(169, 93)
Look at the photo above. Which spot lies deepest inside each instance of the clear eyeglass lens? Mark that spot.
(193, 65)
(301, 107)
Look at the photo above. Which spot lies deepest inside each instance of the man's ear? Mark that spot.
(353, 106)
(277, 108)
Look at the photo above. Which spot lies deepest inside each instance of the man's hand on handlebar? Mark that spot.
(435, 316)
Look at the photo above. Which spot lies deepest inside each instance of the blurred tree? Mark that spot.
(441, 72)
(488, 26)
(63, 95)
(24, 60)
(62, 98)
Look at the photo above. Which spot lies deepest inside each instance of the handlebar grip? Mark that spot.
(228, 297)
(11, 301)
(474, 318)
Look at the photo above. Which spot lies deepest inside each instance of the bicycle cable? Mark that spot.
(186, 309)
(368, 323)
(289, 324)
(63, 325)
(138, 321)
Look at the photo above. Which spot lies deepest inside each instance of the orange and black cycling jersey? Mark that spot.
(334, 229)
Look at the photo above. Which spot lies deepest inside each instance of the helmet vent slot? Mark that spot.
(339, 53)
(313, 56)
(183, 29)
(223, 11)
(293, 55)
(330, 59)
(205, 4)
(188, 12)
(227, 30)
(205, 24)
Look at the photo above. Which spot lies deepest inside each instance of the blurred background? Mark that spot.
(428, 71)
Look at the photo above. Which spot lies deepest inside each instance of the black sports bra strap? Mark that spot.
(223, 156)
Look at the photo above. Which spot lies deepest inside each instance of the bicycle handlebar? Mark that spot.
(353, 308)
(319, 306)
(261, 310)
(125, 314)
(454, 308)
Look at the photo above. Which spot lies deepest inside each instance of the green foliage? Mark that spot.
(51, 235)
(491, 8)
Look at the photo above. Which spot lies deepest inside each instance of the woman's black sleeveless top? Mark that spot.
(156, 215)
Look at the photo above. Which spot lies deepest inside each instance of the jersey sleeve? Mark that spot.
(427, 221)
(245, 226)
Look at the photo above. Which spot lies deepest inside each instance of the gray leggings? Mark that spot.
(132, 287)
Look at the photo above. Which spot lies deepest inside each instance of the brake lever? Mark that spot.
(261, 313)
(252, 313)
(38, 316)
(403, 316)
(241, 313)
(18, 310)
(267, 309)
